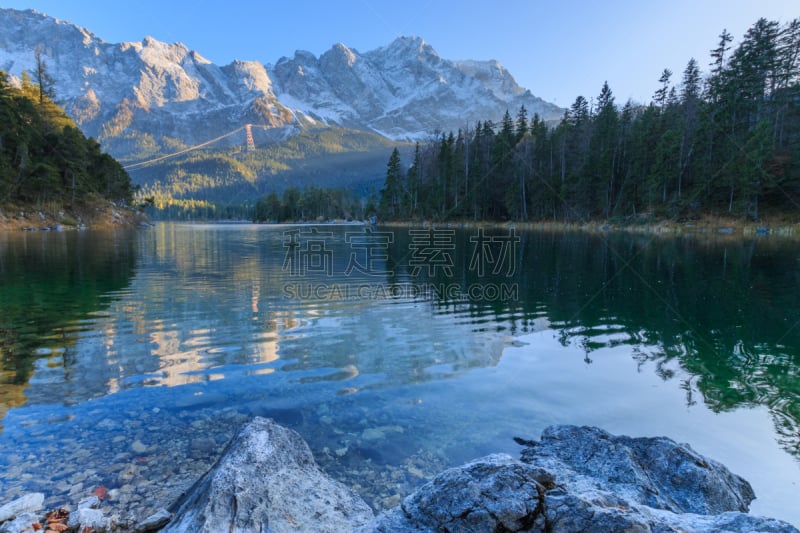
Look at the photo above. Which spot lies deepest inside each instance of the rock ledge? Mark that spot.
(584, 479)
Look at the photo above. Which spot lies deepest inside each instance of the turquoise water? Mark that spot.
(127, 360)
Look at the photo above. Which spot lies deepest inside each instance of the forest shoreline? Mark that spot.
(102, 214)
(706, 226)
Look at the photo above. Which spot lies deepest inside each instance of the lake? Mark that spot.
(129, 359)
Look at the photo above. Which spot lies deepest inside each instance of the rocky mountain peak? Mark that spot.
(411, 47)
(152, 90)
(339, 54)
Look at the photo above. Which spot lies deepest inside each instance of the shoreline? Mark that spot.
(665, 228)
(703, 227)
(91, 214)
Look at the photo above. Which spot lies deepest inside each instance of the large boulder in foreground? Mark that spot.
(584, 479)
(573, 479)
(267, 480)
(656, 472)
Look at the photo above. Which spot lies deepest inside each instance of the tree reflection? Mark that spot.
(49, 282)
(724, 309)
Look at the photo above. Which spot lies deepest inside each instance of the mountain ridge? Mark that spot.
(404, 90)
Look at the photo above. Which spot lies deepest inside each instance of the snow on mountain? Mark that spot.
(131, 96)
(404, 90)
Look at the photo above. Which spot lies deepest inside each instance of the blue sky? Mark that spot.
(558, 49)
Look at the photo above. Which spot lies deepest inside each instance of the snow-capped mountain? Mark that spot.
(130, 94)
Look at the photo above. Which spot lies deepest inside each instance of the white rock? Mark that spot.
(90, 502)
(268, 480)
(85, 517)
(30, 503)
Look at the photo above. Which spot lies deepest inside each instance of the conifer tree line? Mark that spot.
(724, 143)
(44, 157)
(310, 203)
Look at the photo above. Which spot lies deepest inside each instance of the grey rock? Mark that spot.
(155, 521)
(727, 522)
(267, 480)
(30, 503)
(21, 524)
(495, 493)
(90, 502)
(566, 512)
(584, 479)
(656, 472)
(86, 517)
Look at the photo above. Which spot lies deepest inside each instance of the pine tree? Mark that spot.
(718, 65)
(600, 172)
(579, 111)
(522, 123)
(661, 95)
(412, 184)
(392, 192)
(43, 79)
(690, 85)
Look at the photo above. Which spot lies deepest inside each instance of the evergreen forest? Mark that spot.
(44, 158)
(724, 143)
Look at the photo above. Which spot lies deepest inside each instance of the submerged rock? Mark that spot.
(24, 523)
(88, 518)
(267, 480)
(30, 503)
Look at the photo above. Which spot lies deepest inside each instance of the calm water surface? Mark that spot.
(127, 360)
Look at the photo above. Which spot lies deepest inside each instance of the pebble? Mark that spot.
(373, 434)
(90, 502)
(392, 501)
(180, 446)
(77, 477)
(155, 521)
(84, 518)
(203, 445)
